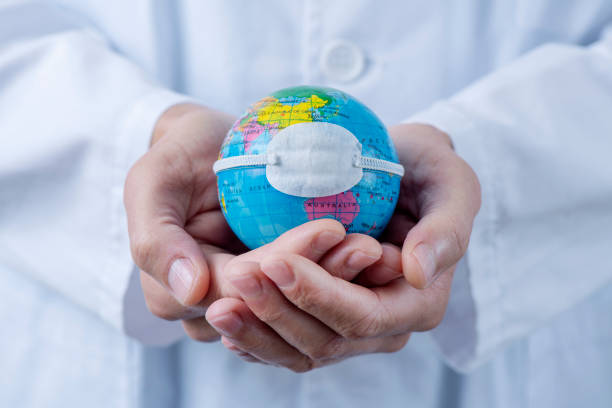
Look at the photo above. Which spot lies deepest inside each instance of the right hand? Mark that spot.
(179, 237)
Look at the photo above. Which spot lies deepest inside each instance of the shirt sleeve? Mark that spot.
(74, 117)
(539, 135)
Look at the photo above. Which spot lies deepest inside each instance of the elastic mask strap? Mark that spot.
(371, 163)
(251, 160)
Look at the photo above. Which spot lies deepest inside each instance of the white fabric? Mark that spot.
(83, 81)
(74, 116)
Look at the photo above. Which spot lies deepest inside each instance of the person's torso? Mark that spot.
(228, 54)
(401, 57)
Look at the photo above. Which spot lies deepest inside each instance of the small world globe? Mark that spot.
(258, 212)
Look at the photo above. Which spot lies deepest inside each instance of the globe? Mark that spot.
(258, 213)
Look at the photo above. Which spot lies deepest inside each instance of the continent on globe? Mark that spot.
(258, 212)
(343, 207)
(273, 113)
(252, 129)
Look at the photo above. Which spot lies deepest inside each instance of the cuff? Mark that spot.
(131, 141)
(472, 328)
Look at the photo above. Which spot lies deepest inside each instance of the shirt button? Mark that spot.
(342, 61)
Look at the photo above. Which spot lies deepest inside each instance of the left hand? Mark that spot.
(295, 314)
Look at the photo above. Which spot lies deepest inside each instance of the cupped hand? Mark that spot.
(294, 314)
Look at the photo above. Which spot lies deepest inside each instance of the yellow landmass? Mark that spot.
(289, 114)
(223, 203)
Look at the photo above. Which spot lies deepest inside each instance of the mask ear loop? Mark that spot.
(272, 159)
(247, 160)
(370, 163)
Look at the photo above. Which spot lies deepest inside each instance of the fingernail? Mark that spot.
(180, 278)
(426, 258)
(327, 239)
(279, 272)
(359, 260)
(247, 285)
(227, 324)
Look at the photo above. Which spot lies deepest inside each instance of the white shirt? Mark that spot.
(523, 87)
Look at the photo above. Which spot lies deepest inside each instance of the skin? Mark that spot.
(302, 301)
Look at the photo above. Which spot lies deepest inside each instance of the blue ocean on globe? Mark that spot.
(258, 213)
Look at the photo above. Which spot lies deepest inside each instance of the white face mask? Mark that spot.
(313, 159)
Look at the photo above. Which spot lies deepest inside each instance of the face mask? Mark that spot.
(314, 159)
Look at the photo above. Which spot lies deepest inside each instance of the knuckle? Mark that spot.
(367, 326)
(459, 242)
(272, 317)
(456, 236)
(143, 247)
(308, 298)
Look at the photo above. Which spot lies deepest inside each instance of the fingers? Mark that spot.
(156, 196)
(353, 311)
(239, 352)
(297, 328)
(311, 240)
(277, 324)
(162, 304)
(386, 269)
(237, 324)
(335, 302)
(350, 257)
(200, 330)
(441, 236)
(405, 308)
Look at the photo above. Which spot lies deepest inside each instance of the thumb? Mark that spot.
(156, 210)
(436, 243)
(441, 236)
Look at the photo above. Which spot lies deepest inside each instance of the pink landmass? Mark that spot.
(251, 131)
(343, 207)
